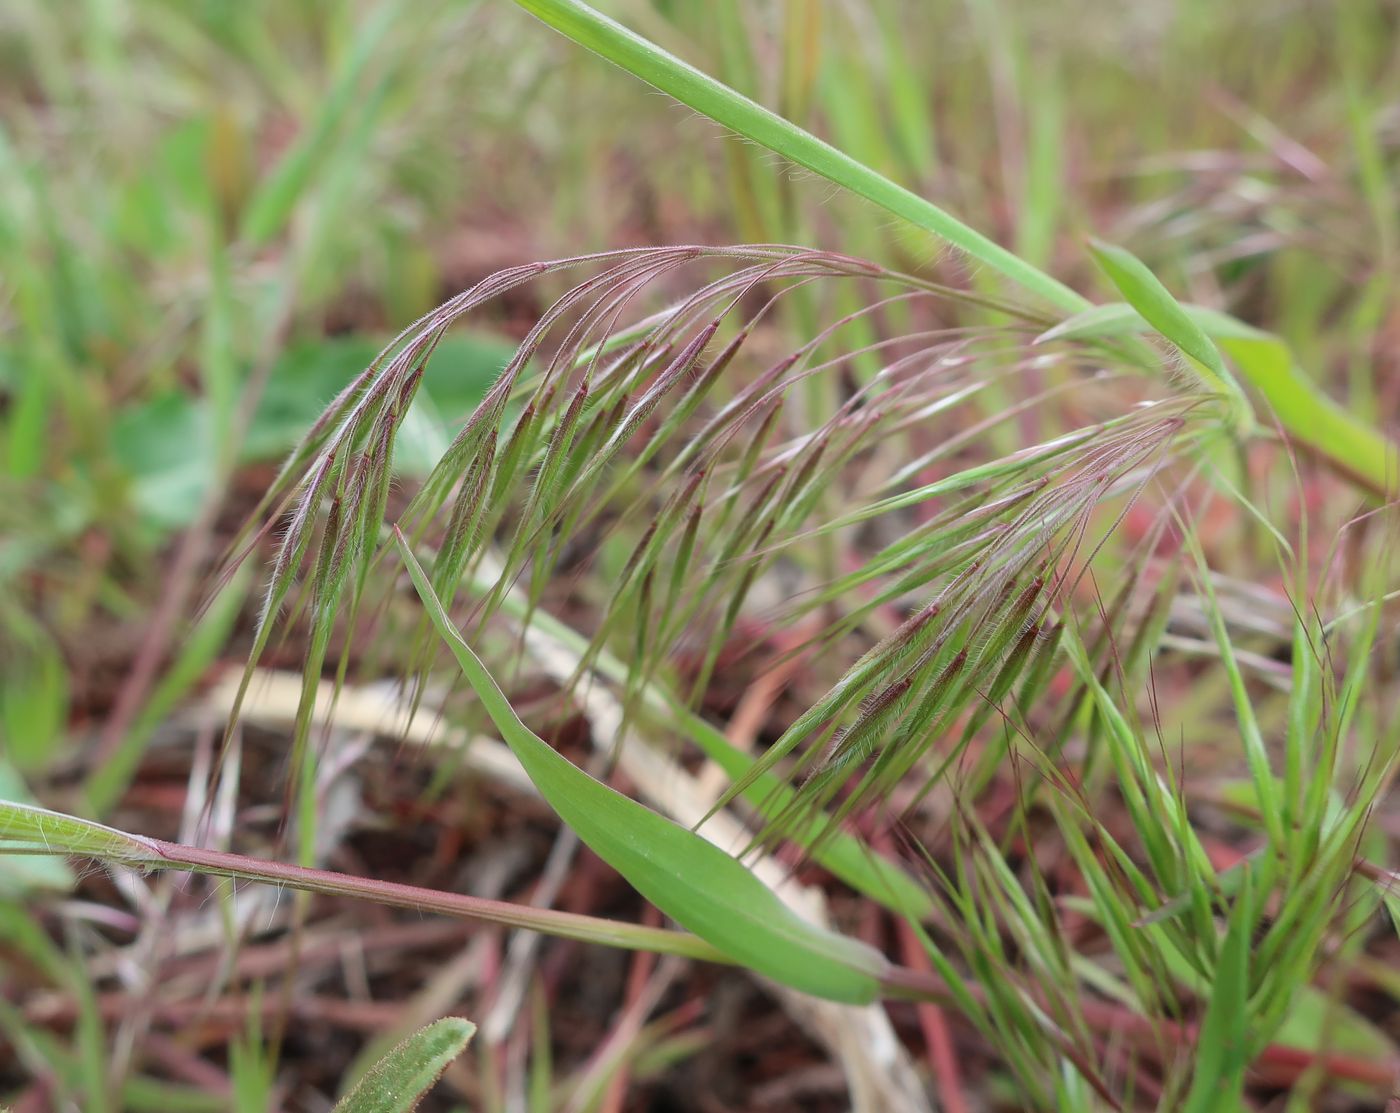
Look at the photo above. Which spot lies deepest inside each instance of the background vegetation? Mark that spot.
(1160, 850)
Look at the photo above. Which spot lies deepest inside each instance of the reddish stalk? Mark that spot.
(627, 1025)
(569, 925)
(934, 1024)
(229, 1014)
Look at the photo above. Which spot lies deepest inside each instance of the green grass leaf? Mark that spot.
(1149, 297)
(398, 1082)
(21, 875)
(697, 90)
(688, 878)
(1222, 1049)
(842, 852)
(1267, 364)
(1310, 416)
(29, 829)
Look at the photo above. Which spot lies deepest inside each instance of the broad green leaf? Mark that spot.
(309, 374)
(166, 449)
(398, 1082)
(688, 878)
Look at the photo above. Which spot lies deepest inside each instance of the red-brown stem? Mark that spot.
(569, 925)
(943, 1059)
(227, 1013)
(642, 967)
(899, 982)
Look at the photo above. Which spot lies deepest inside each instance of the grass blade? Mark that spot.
(697, 90)
(693, 881)
(1222, 1052)
(1267, 364)
(1164, 313)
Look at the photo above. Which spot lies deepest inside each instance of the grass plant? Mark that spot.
(1087, 608)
